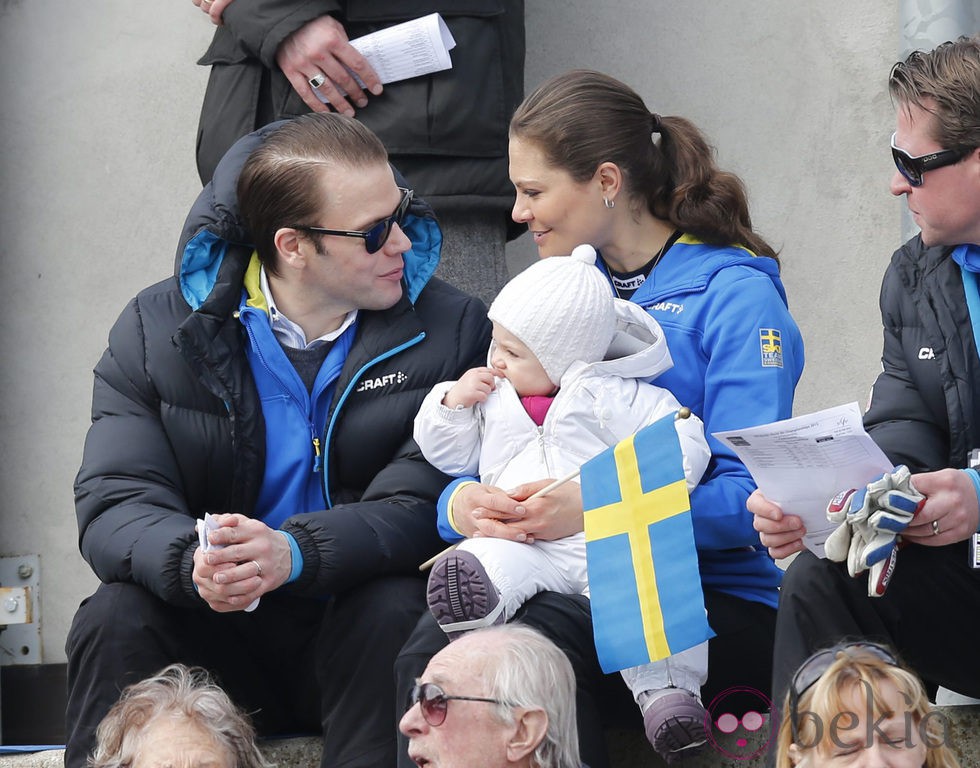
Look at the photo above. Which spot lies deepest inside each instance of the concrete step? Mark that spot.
(628, 749)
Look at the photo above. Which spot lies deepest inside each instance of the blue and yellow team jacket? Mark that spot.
(738, 355)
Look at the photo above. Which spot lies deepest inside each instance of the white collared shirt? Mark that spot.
(288, 333)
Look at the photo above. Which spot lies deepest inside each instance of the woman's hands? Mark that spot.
(782, 534)
(482, 510)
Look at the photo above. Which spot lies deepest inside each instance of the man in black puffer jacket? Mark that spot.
(273, 383)
(925, 405)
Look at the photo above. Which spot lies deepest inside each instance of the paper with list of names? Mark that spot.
(803, 462)
(413, 48)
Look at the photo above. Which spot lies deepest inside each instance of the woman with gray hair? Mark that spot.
(177, 717)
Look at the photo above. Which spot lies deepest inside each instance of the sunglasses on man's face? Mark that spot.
(814, 667)
(434, 702)
(912, 168)
(375, 237)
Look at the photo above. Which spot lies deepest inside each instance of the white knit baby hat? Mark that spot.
(562, 308)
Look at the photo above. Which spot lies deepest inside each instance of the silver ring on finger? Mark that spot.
(258, 568)
(935, 527)
(317, 80)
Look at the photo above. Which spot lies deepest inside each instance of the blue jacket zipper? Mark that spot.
(343, 398)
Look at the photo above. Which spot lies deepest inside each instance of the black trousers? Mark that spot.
(296, 665)
(930, 614)
(739, 657)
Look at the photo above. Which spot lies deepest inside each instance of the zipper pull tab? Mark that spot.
(317, 457)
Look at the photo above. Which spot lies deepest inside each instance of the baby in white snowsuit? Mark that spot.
(567, 377)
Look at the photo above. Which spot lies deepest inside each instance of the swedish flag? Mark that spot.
(647, 601)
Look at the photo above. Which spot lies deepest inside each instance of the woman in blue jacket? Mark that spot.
(591, 164)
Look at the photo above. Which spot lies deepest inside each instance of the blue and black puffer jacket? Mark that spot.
(178, 427)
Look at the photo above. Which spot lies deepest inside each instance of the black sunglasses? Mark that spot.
(377, 236)
(813, 668)
(912, 168)
(434, 702)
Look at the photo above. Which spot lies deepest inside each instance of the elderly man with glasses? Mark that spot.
(267, 392)
(502, 697)
(923, 595)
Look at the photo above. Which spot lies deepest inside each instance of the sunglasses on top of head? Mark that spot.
(912, 168)
(434, 702)
(813, 668)
(375, 237)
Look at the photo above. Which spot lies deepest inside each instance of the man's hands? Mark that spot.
(254, 560)
(473, 387)
(951, 503)
(480, 510)
(321, 47)
(949, 514)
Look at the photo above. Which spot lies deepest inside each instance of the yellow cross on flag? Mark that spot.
(645, 586)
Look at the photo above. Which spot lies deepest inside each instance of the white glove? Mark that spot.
(870, 521)
(838, 544)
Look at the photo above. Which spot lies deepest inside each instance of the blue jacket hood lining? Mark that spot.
(213, 224)
(205, 251)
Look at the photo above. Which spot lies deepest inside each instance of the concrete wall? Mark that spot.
(98, 115)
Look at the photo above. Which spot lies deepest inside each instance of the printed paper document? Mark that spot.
(802, 463)
(410, 49)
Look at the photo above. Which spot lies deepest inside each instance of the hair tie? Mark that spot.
(655, 126)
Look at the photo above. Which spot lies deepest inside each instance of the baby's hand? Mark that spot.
(473, 387)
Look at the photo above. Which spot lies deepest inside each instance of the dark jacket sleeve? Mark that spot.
(133, 520)
(380, 535)
(391, 529)
(257, 28)
(898, 418)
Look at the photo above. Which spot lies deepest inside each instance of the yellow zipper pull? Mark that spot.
(317, 458)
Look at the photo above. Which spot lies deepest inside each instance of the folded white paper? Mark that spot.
(208, 524)
(410, 49)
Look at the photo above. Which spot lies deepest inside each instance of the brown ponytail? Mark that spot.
(704, 200)
(583, 118)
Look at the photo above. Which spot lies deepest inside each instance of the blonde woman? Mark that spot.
(855, 706)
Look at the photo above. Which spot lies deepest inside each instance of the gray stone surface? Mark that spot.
(473, 252)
